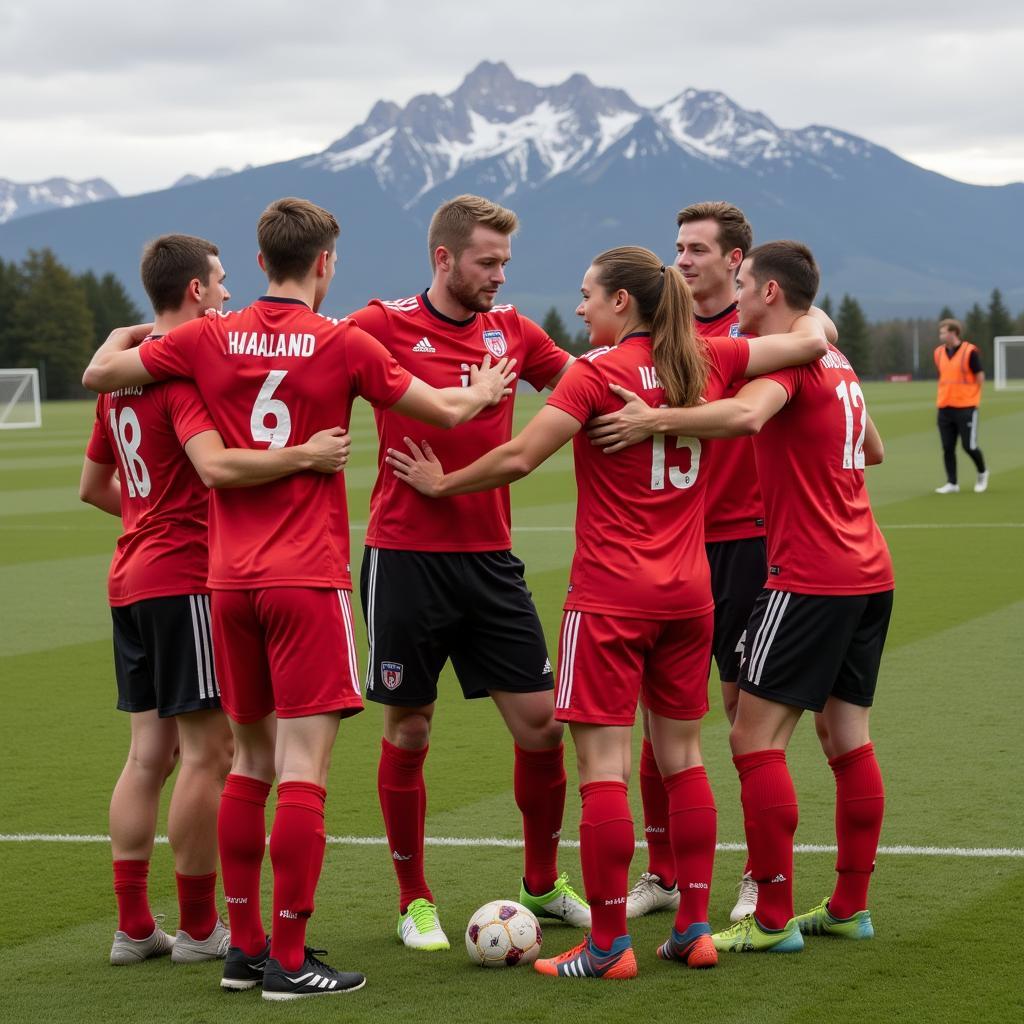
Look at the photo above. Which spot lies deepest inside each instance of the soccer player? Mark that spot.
(961, 377)
(439, 579)
(135, 468)
(818, 628)
(638, 617)
(279, 569)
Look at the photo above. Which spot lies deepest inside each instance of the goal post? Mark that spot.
(1009, 359)
(19, 399)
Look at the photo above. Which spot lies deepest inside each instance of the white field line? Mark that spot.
(898, 851)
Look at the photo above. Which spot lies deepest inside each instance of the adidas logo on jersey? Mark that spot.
(423, 345)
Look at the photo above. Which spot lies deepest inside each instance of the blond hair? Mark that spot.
(453, 223)
(291, 234)
(952, 325)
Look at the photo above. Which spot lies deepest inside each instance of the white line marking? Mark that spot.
(516, 844)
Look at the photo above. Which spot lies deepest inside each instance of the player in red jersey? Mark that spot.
(279, 569)
(439, 580)
(136, 468)
(818, 628)
(638, 617)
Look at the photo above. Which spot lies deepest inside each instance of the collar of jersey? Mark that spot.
(440, 316)
(635, 334)
(282, 298)
(717, 316)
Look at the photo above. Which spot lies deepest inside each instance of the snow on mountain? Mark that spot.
(19, 200)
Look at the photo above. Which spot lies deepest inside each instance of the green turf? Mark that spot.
(946, 726)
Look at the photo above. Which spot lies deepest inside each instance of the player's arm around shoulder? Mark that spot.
(804, 342)
(116, 363)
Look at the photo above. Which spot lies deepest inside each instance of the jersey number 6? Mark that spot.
(268, 406)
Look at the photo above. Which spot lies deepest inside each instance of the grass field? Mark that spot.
(947, 728)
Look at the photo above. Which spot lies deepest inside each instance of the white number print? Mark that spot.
(853, 399)
(128, 436)
(676, 477)
(267, 406)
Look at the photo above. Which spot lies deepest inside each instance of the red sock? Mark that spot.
(403, 802)
(693, 828)
(133, 914)
(242, 838)
(660, 860)
(770, 819)
(606, 848)
(860, 804)
(297, 845)
(197, 905)
(539, 783)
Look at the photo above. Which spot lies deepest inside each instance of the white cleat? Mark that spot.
(982, 485)
(127, 951)
(746, 902)
(419, 927)
(648, 895)
(193, 951)
(948, 488)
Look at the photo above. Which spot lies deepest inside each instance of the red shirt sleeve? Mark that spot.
(373, 319)
(173, 355)
(582, 393)
(375, 374)
(732, 356)
(790, 378)
(187, 410)
(543, 357)
(99, 448)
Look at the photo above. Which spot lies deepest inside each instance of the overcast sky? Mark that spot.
(141, 93)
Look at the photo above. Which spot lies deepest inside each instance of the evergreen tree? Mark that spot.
(946, 313)
(853, 335)
(10, 285)
(554, 327)
(1000, 322)
(891, 352)
(976, 330)
(110, 304)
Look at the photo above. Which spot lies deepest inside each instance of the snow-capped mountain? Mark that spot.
(17, 200)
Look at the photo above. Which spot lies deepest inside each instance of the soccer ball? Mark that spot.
(503, 934)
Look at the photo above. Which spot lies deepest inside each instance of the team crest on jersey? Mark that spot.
(391, 674)
(495, 343)
(734, 331)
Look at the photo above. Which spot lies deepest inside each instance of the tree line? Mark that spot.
(53, 319)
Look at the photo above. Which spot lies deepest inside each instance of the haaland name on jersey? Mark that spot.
(254, 343)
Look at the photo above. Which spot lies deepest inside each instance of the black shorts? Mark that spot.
(738, 571)
(424, 607)
(163, 655)
(804, 648)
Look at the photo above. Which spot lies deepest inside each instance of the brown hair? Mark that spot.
(952, 325)
(665, 304)
(734, 230)
(169, 263)
(791, 265)
(453, 222)
(291, 234)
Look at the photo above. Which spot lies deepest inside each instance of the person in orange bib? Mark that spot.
(960, 379)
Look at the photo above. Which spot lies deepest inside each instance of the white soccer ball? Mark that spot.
(503, 933)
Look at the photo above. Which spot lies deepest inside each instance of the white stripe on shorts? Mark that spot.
(346, 615)
(567, 658)
(203, 607)
(196, 630)
(371, 605)
(209, 641)
(777, 604)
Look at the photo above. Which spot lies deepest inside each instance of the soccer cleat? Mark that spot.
(982, 485)
(747, 936)
(649, 895)
(563, 903)
(587, 961)
(242, 972)
(193, 951)
(313, 978)
(746, 901)
(820, 922)
(419, 928)
(693, 948)
(126, 950)
(948, 488)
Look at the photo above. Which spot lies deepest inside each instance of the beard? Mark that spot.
(474, 299)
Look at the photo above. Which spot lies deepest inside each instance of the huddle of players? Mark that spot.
(439, 581)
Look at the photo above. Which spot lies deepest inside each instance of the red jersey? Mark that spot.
(640, 512)
(440, 351)
(271, 375)
(142, 431)
(822, 537)
(733, 506)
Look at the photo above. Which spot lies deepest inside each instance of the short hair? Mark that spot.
(952, 325)
(734, 230)
(169, 263)
(291, 234)
(791, 265)
(453, 223)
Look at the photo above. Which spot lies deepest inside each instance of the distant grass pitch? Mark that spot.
(947, 728)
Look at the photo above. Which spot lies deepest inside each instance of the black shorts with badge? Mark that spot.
(163, 655)
(804, 648)
(424, 607)
(738, 571)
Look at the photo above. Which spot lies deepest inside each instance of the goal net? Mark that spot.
(1009, 352)
(19, 399)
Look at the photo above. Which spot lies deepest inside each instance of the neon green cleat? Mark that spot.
(419, 928)
(563, 903)
(820, 922)
(747, 936)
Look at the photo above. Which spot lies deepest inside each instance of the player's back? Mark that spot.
(822, 535)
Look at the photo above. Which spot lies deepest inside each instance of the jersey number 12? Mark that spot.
(853, 400)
